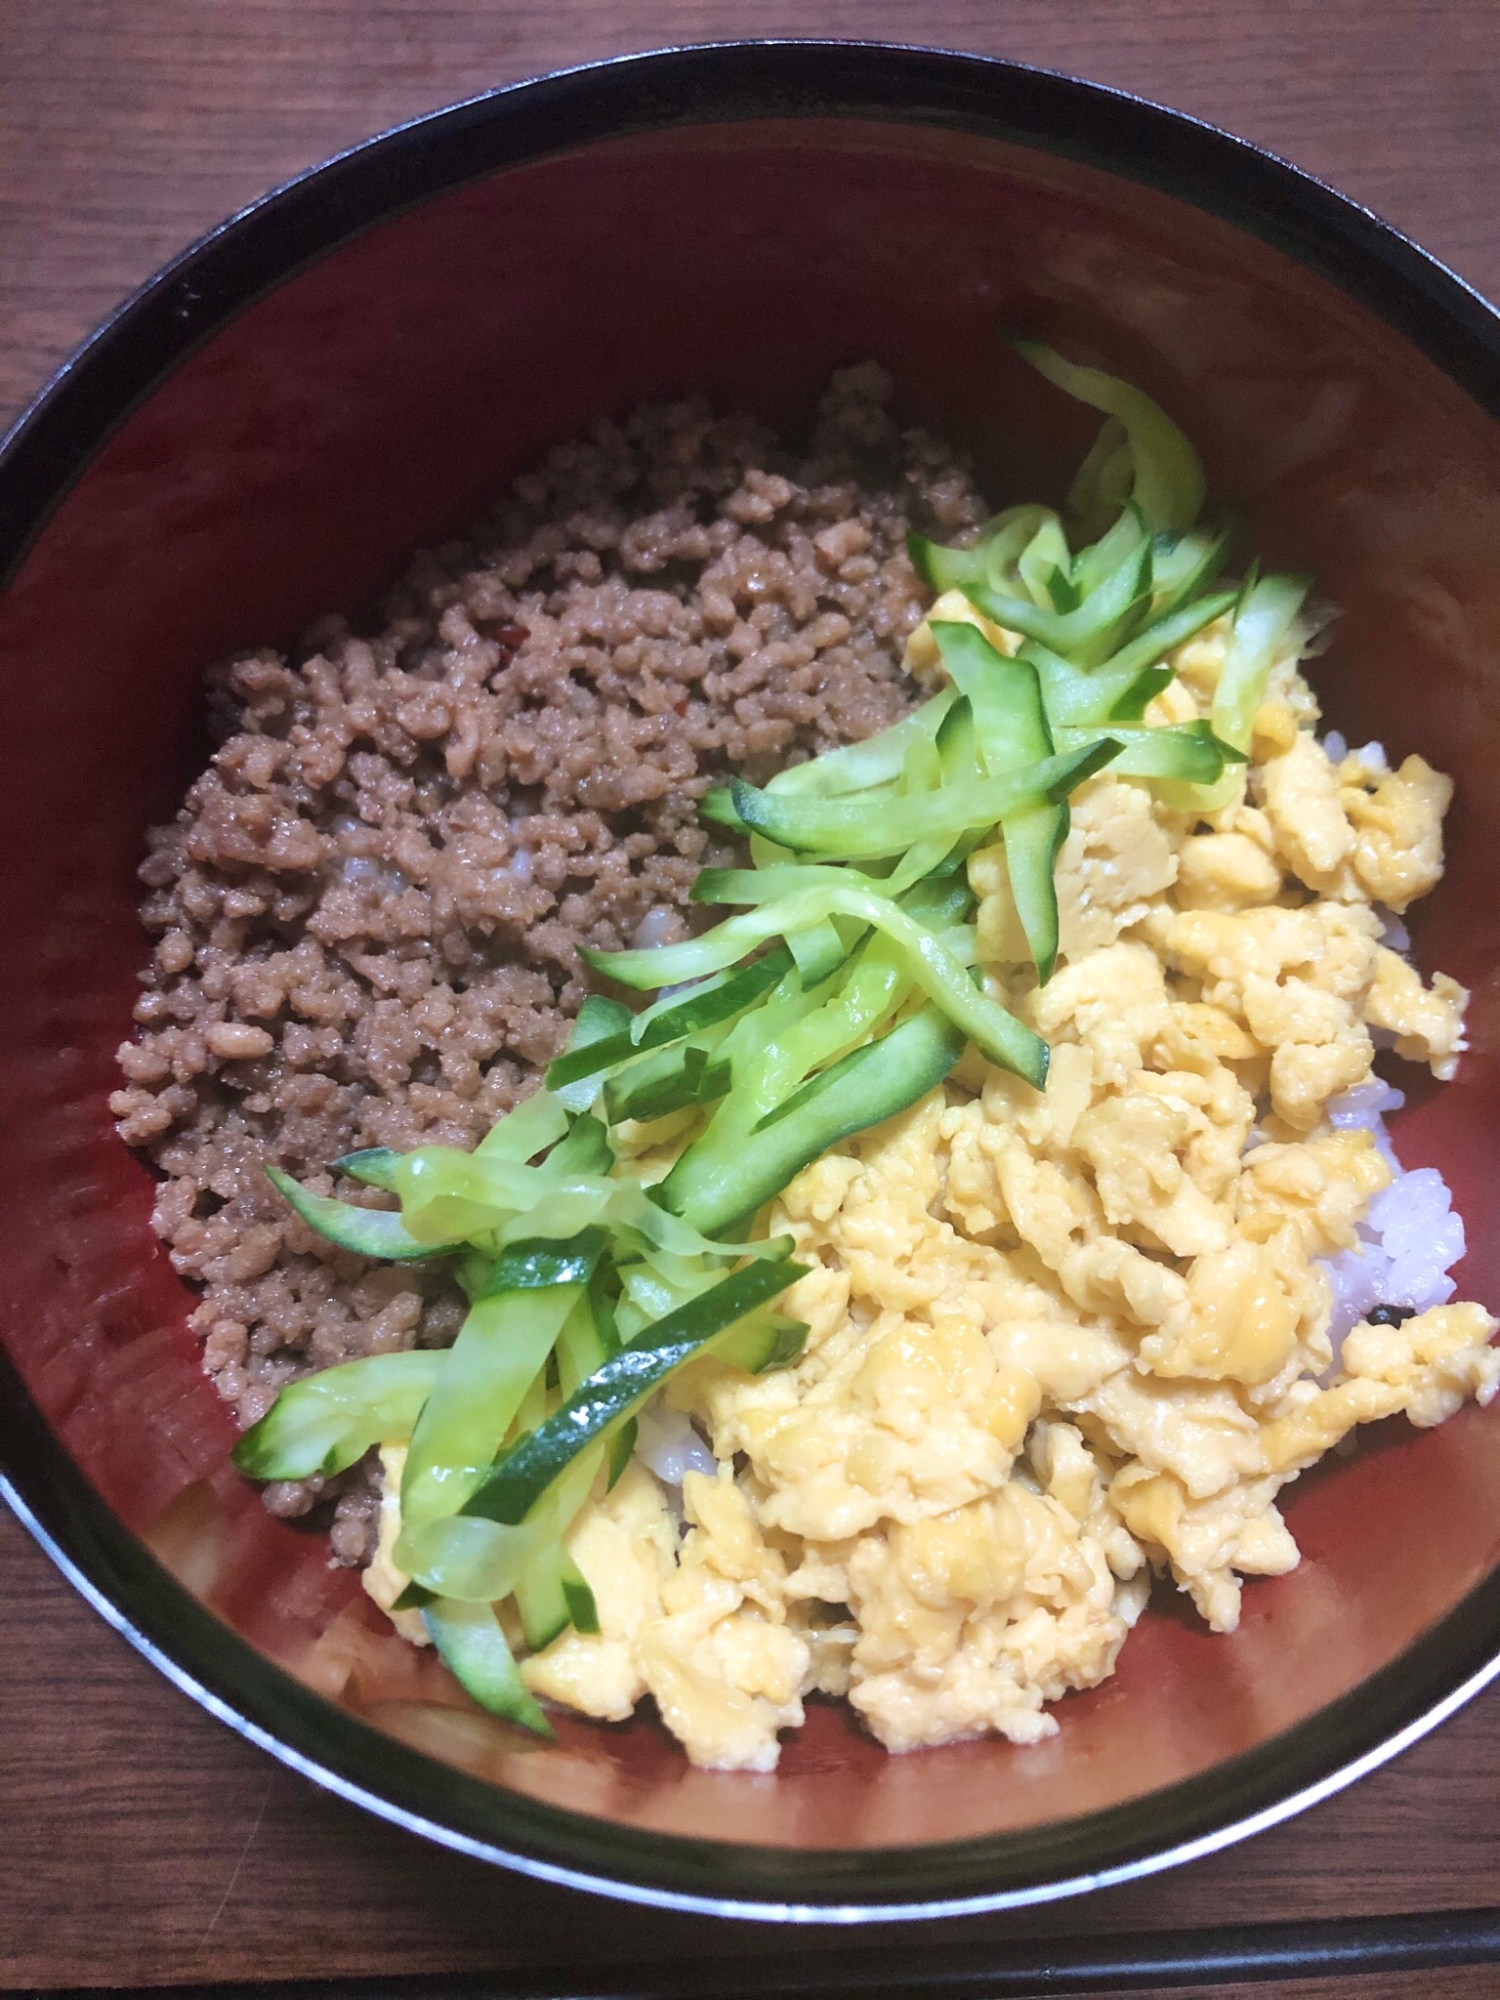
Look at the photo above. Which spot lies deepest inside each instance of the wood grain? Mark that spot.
(159, 1848)
(153, 1846)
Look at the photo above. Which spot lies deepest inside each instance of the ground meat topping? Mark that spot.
(369, 909)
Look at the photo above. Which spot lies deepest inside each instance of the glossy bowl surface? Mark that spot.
(352, 369)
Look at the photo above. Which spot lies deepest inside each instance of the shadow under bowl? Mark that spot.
(354, 368)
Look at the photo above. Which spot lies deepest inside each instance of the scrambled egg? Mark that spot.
(1062, 1343)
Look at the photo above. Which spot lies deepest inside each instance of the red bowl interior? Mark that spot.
(376, 402)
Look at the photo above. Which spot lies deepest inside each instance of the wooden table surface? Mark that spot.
(141, 1842)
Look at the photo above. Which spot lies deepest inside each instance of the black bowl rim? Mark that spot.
(52, 444)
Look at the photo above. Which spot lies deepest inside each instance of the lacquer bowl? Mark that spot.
(353, 368)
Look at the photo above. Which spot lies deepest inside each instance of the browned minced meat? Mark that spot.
(368, 910)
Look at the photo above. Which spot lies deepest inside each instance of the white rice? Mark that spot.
(1411, 1237)
(666, 1441)
(1336, 744)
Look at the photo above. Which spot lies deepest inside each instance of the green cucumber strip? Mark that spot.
(719, 998)
(1185, 565)
(855, 830)
(1099, 614)
(943, 568)
(818, 952)
(581, 1346)
(1045, 567)
(998, 1034)
(940, 900)
(1103, 557)
(1169, 485)
(597, 1020)
(1186, 751)
(502, 1348)
(1061, 591)
(1138, 697)
(473, 1648)
(1163, 635)
(857, 767)
(536, 1122)
(1033, 839)
(447, 1195)
(763, 1341)
(329, 1421)
(667, 1081)
(1101, 486)
(1010, 722)
(716, 1189)
(580, 1599)
(877, 985)
(626, 1381)
(1004, 697)
(995, 558)
(1261, 627)
(552, 1595)
(601, 1025)
(772, 1052)
(620, 1450)
(481, 1561)
(540, 1598)
(717, 807)
(415, 1597)
(538, 1262)
(585, 1150)
(369, 1232)
(1018, 543)
(371, 1164)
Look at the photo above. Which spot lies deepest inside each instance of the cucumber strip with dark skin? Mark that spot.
(589, 1337)
(1185, 565)
(1186, 751)
(1168, 478)
(818, 952)
(1033, 839)
(551, 1596)
(690, 1076)
(1010, 725)
(328, 1421)
(369, 1232)
(582, 1609)
(715, 1190)
(371, 1164)
(619, 1452)
(854, 830)
(1160, 637)
(539, 1261)
(474, 1649)
(536, 1124)
(856, 767)
(1077, 634)
(499, 1354)
(717, 998)
(480, 1561)
(618, 1389)
(568, 1075)
(541, 1600)
(586, 1148)
(997, 1034)
(1093, 564)
(764, 1341)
